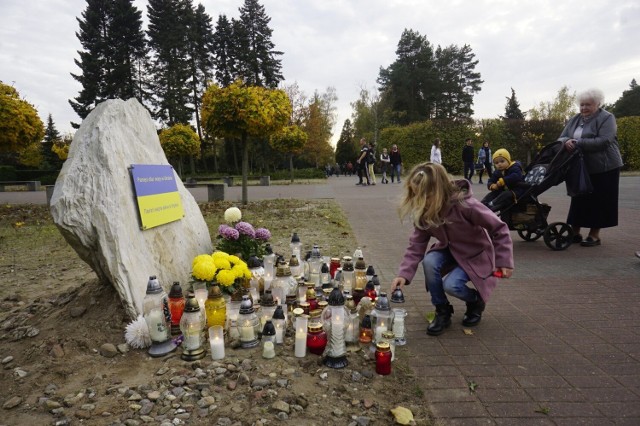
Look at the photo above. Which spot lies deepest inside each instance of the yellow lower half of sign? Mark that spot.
(159, 209)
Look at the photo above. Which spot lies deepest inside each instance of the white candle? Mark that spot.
(192, 337)
(279, 331)
(157, 329)
(301, 344)
(268, 350)
(379, 330)
(398, 327)
(337, 347)
(246, 334)
(349, 335)
(217, 348)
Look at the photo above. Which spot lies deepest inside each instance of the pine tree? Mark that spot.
(629, 103)
(51, 136)
(113, 55)
(346, 149)
(257, 62)
(168, 32)
(223, 52)
(512, 108)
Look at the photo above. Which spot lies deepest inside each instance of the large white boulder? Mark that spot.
(94, 205)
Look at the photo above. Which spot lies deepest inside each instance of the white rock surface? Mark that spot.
(93, 204)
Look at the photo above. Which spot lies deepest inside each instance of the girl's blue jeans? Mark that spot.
(454, 283)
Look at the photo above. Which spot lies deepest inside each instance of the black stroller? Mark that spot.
(528, 216)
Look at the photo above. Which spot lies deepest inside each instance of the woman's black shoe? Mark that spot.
(590, 242)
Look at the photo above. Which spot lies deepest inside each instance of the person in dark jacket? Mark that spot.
(504, 183)
(396, 162)
(467, 159)
(594, 131)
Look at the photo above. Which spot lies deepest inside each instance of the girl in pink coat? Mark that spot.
(473, 244)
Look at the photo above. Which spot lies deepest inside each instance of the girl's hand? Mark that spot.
(503, 272)
(397, 282)
(493, 187)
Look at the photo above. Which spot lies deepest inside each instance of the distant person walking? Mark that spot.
(385, 162)
(467, 159)
(395, 160)
(484, 157)
(363, 171)
(371, 163)
(436, 152)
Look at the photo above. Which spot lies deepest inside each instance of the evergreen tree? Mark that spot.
(169, 30)
(113, 56)
(223, 49)
(257, 62)
(422, 84)
(92, 62)
(346, 149)
(51, 136)
(512, 108)
(409, 83)
(629, 103)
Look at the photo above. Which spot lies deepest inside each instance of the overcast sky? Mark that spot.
(534, 46)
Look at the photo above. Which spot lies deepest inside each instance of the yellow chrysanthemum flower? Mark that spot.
(226, 277)
(238, 271)
(220, 255)
(235, 260)
(204, 269)
(200, 257)
(221, 263)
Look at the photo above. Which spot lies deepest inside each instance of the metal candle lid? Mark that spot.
(382, 302)
(383, 347)
(153, 285)
(176, 290)
(191, 304)
(397, 296)
(246, 306)
(336, 298)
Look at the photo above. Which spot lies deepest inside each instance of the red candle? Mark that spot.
(176, 307)
(316, 339)
(333, 266)
(383, 358)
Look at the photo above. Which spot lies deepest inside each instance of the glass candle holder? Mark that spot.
(390, 338)
(383, 358)
(216, 342)
(399, 315)
(316, 339)
(301, 336)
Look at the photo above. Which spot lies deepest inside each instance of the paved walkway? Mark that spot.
(559, 343)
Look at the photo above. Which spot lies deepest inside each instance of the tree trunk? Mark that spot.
(245, 168)
(291, 166)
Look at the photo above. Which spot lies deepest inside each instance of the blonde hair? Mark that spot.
(427, 191)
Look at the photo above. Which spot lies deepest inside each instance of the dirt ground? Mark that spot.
(55, 316)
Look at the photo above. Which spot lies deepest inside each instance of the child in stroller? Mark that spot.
(505, 184)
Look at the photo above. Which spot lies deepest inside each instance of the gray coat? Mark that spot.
(598, 141)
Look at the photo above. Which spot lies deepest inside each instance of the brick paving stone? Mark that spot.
(514, 409)
(450, 410)
(562, 394)
(572, 409)
(489, 396)
(546, 382)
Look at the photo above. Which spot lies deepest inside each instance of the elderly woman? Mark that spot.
(594, 132)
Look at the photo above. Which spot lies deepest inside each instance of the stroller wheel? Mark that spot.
(529, 234)
(558, 236)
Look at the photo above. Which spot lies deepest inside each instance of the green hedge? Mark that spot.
(7, 173)
(629, 140)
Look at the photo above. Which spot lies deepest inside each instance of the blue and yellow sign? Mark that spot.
(157, 194)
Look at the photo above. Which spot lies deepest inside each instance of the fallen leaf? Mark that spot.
(403, 416)
(467, 331)
(430, 316)
(543, 410)
(472, 386)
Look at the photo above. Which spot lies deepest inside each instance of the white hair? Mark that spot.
(595, 95)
